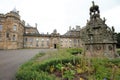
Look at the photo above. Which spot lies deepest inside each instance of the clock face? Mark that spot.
(98, 47)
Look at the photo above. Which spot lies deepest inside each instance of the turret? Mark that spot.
(14, 13)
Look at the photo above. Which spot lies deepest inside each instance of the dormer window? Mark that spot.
(15, 28)
(0, 27)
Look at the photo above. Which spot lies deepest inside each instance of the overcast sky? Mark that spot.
(60, 14)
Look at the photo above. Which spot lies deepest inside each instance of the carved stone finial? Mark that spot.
(94, 11)
(55, 31)
(104, 20)
(36, 25)
(87, 20)
(93, 3)
(15, 10)
(113, 29)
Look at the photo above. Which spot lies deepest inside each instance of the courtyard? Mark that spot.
(11, 60)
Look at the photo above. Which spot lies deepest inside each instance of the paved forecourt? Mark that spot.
(10, 61)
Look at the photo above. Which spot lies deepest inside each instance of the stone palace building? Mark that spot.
(14, 34)
(95, 37)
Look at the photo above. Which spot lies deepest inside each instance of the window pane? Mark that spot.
(0, 27)
(47, 43)
(14, 27)
(14, 38)
(0, 36)
(25, 39)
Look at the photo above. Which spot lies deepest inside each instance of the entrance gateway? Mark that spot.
(55, 46)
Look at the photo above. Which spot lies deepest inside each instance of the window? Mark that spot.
(42, 39)
(14, 27)
(47, 39)
(26, 32)
(0, 37)
(70, 43)
(66, 40)
(37, 40)
(75, 41)
(42, 42)
(25, 39)
(0, 27)
(47, 42)
(14, 38)
(37, 44)
(7, 35)
(30, 39)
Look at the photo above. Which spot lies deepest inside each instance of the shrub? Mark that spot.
(33, 75)
(115, 61)
(74, 51)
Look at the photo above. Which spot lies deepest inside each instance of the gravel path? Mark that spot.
(10, 61)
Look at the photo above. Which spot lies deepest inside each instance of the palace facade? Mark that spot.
(96, 37)
(33, 39)
(14, 34)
